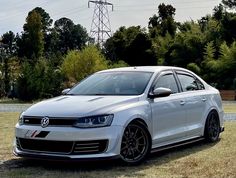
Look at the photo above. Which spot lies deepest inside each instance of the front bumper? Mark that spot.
(45, 156)
(113, 134)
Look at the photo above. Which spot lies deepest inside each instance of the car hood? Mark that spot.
(79, 106)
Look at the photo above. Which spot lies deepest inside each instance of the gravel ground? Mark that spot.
(22, 107)
(13, 107)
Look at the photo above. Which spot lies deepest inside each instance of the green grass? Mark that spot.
(195, 160)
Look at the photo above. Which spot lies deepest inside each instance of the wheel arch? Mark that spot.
(209, 137)
(211, 110)
(143, 123)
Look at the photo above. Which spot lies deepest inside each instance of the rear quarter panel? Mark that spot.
(214, 102)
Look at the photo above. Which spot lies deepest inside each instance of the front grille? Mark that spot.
(28, 120)
(90, 147)
(63, 147)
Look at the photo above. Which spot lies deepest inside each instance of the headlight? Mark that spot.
(21, 119)
(94, 121)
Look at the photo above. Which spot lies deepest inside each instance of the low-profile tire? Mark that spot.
(212, 127)
(135, 144)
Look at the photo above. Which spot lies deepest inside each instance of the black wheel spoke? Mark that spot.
(213, 128)
(134, 143)
(136, 131)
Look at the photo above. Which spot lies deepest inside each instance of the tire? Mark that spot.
(212, 127)
(136, 144)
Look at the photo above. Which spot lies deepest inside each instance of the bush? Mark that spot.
(39, 81)
(79, 64)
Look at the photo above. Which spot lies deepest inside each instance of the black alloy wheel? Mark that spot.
(212, 127)
(136, 144)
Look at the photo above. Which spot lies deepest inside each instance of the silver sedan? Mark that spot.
(121, 113)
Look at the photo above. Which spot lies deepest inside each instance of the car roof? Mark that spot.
(142, 69)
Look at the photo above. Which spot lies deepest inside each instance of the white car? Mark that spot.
(125, 113)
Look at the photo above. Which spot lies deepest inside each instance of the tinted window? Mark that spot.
(187, 82)
(167, 81)
(200, 85)
(113, 83)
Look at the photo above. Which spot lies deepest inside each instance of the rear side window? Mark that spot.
(187, 82)
(167, 81)
(200, 85)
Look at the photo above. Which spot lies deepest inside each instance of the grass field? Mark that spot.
(195, 160)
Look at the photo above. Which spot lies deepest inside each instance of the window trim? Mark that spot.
(162, 73)
(181, 72)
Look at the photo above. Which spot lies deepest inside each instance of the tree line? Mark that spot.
(47, 57)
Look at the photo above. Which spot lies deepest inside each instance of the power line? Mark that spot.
(73, 10)
(148, 9)
(18, 13)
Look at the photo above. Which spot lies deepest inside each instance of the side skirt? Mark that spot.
(161, 148)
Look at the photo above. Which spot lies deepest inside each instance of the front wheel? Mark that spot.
(135, 144)
(212, 127)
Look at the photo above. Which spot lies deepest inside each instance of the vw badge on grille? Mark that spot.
(44, 122)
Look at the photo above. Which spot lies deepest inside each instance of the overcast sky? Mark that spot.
(126, 12)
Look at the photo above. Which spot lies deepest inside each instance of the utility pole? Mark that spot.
(100, 28)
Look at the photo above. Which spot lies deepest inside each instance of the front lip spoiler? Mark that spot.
(60, 158)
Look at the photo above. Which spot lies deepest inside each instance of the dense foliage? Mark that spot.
(45, 57)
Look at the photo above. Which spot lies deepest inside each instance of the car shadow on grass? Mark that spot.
(116, 166)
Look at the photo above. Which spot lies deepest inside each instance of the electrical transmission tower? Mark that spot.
(100, 28)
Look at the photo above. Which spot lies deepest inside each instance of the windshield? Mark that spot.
(113, 83)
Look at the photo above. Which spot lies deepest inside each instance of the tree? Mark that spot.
(187, 47)
(228, 23)
(46, 26)
(79, 64)
(68, 36)
(9, 40)
(31, 43)
(218, 12)
(45, 19)
(8, 46)
(133, 45)
(163, 23)
(231, 4)
(221, 70)
(44, 82)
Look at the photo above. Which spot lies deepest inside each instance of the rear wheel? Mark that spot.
(212, 127)
(135, 144)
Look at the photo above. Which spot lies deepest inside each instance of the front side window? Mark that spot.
(167, 81)
(113, 83)
(187, 82)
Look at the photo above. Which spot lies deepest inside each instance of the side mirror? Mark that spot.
(65, 91)
(160, 92)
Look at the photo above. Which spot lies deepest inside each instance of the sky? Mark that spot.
(126, 12)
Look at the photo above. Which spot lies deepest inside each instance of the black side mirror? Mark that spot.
(160, 92)
(65, 91)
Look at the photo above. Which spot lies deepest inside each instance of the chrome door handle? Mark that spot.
(204, 99)
(182, 102)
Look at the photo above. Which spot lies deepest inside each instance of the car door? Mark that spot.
(195, 102)
(168, 113)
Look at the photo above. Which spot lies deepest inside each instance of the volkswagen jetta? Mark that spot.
(124, 113)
